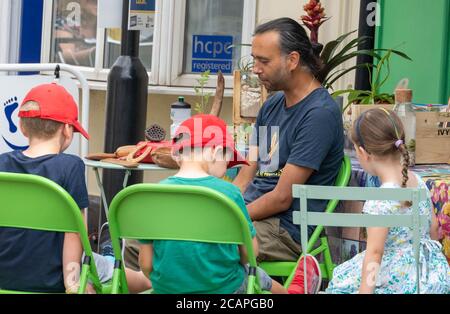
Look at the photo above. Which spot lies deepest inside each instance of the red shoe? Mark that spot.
(313, 275)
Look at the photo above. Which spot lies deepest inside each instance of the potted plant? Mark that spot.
(251, 91)
(362, 100)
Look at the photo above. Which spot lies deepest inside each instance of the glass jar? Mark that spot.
(405, 111)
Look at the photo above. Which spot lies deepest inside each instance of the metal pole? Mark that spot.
(126, 105)
(362, 79)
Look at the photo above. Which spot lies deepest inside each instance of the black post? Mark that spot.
(366, 28)
(126, 105)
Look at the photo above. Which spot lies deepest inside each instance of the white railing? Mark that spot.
(37, 67)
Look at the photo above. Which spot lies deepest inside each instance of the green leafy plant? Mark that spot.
(333, 56)
(200, 106)
(245, 66)
(377, 80)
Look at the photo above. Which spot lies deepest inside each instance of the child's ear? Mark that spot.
(362, 152)
(176, 157)
(179, 153)
(67, 130)
(22, 129)
(218, 153)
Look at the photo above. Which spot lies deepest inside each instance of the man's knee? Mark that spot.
(131, 254)
(275, 243)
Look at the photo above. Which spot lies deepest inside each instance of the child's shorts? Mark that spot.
(105, 267)
(264, 281)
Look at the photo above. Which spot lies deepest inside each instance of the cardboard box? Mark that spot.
(432, 134)
(432, 137)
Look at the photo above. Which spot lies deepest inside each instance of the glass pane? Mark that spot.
(211, 27)
(112, 47)
(74, 32)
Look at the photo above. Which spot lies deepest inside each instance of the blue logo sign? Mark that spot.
(210, 52)
(142, 5)
(9, 107)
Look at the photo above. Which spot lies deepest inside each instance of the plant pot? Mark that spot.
(251, 94)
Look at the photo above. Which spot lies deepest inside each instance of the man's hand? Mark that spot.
(280, 199)
(247, 173)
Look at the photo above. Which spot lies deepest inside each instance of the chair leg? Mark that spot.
(327, 257)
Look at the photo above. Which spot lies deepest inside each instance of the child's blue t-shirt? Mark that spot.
(193, 267)
(31, 260)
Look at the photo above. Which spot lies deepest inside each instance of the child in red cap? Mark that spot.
(204, 150)
(41, 261)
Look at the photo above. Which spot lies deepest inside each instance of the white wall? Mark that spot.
(344, 18)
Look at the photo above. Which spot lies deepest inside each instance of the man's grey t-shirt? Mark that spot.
(309, 134)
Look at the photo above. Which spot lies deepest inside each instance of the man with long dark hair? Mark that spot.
(298, 137)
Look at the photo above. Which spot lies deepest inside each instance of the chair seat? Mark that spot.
(278, 268)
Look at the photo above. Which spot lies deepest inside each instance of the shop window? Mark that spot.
(71, 36)
(74, 32)
(212, 26)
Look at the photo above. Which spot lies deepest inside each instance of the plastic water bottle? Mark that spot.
(179, 112)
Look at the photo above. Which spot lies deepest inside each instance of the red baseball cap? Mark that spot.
(207, 130)
(56, 104)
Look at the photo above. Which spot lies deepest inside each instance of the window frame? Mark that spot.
(10, 26)
(175, 68)
(167, 68)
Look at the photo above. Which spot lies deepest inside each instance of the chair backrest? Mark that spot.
(342, 180)
(34, 202)
(414, 220)
(177, 212)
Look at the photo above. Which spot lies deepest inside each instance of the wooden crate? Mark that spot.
(432, 134)
(432, 137)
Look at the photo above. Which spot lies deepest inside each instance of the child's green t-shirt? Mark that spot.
(192, 267)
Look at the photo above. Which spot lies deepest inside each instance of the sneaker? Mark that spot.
(107, 251)
(313, 274)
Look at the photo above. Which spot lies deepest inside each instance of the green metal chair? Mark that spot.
(286, 269)
(35, 202)
(176, 212)
(414, 220)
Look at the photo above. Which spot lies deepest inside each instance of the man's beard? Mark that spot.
(278, 83)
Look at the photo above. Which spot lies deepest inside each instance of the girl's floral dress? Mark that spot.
(398, 269)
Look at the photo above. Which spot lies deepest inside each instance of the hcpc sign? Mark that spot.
(211, 52)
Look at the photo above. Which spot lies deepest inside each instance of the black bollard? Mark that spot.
(366, 28)
(126, 106)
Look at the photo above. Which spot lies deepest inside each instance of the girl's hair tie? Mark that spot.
(398, 143)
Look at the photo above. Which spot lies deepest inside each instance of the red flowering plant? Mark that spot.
(338, 51)
(314, 18)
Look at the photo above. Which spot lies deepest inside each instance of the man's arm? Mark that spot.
(280, 199)
(247, 173)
